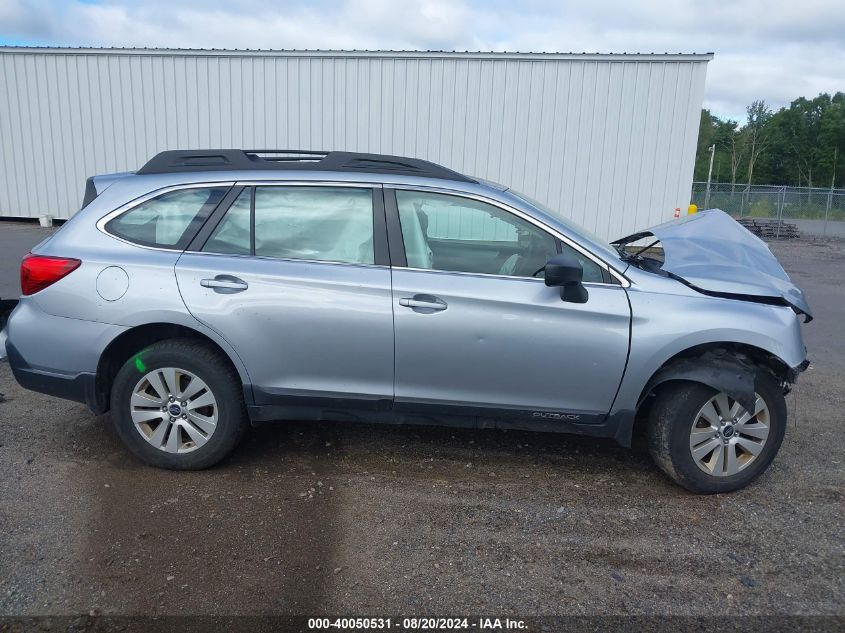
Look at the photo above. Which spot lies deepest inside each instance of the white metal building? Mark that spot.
(608, 140)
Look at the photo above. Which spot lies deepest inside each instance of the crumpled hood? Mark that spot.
(713, 253)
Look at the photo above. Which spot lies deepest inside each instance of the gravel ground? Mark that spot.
(317, 518)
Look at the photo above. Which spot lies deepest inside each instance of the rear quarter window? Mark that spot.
(169, 220)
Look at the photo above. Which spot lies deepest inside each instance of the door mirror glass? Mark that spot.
(566, 272)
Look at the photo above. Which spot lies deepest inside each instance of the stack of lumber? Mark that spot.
(768, 229)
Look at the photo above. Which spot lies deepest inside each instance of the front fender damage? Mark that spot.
(731, 373)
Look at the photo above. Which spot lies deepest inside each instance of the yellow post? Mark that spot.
(692, 209)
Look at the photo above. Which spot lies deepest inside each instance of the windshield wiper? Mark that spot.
(644, 249)
(636, 257)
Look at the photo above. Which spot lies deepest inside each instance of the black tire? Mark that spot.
(669, 424)
(207, 364)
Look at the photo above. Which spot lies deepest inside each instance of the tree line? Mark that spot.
(799, 145)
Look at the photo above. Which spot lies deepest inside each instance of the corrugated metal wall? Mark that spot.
(609, 140)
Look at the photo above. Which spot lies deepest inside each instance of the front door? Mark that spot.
(479, 332)
(296, 279)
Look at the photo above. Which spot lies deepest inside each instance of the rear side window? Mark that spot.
(170, 220)
(233, 235)
(330, 224)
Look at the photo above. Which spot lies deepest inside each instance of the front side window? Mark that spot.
(452, 233)
(331, 224)
(170, 220)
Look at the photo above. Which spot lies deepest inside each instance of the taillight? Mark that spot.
(39, 271)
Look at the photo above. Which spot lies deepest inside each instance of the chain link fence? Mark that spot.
(814, 211)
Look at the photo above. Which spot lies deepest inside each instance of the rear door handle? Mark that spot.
(225, 284)
(425, 304)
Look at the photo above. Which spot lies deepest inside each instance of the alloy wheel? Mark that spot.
(174, 410)
(725, 438)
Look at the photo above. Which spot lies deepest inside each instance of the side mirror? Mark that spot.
(565, 271)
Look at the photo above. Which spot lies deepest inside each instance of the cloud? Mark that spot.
(773, 50)
(241, 24)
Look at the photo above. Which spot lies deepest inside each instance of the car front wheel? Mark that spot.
(178, 404)
(707, 442)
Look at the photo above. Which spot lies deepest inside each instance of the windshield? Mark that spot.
(577, 231)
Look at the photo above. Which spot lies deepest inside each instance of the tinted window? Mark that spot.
(169, 220)
(232, 235)
(452, 233)
(318, 223)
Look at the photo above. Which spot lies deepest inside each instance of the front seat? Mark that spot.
(532, 256)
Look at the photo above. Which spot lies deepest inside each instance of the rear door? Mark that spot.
(296, 278)
(477, 330)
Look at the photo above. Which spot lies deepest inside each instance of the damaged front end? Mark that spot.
(715, 255)
(726, 370)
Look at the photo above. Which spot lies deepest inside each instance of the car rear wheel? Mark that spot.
(708, 443)
(178, 404)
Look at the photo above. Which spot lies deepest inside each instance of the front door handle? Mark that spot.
(425, 304)
(225, 284)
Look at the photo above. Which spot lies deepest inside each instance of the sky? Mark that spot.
(764, 49)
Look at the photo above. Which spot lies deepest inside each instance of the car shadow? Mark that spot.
(384, 447)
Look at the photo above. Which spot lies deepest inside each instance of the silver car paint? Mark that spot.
(668, 317)
(152, 295)
(104, 181)
(302, 328)
(713, 252)
(55, 345)
(508, 342)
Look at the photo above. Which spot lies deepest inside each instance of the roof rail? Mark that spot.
(175, 161)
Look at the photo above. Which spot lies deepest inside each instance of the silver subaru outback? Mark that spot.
(215, 289)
